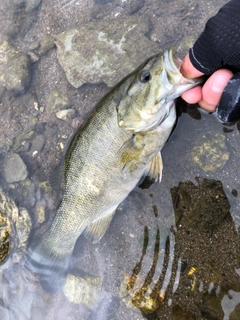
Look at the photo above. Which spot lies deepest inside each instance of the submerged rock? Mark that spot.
(210, 152)
(16, 17)
(104, 50)
(14, 69)
(15, 227)
(14, 168)
(82, 290)
(135, 293)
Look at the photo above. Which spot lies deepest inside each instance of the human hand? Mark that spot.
(209, 95)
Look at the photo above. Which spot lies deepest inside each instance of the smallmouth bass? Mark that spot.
(118, 144)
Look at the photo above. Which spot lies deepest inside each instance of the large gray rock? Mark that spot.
(104, 50)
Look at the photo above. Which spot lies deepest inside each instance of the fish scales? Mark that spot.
(118, 144)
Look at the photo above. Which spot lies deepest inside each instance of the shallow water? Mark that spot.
(149, 264)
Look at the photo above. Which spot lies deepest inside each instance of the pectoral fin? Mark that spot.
(96, 230)
(131, 149)
(155, 167)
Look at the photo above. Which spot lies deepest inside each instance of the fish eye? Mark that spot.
(145, 76)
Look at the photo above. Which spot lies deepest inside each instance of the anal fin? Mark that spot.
(96, 230)
(155, 167)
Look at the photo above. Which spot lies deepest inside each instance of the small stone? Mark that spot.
(46, 43)
(35, 105)
(33, 56)
(65, 114)
(26, 146)
(25, 136)
(75, 290)
(34, 45)
(38, 143)
(14, 168)
(40, 211)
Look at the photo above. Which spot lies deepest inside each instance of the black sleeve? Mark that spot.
(219, 44)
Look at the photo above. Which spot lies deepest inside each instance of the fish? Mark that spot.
(118, 144)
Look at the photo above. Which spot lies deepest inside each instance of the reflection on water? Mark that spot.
(148, 291)
(172, 251)
(230, 303)
(191, 260)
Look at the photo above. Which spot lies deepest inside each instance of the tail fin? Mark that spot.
(50, 268)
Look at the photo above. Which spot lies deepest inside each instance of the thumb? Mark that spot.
(188, 70)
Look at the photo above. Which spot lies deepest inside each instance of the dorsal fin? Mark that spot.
(56, 178)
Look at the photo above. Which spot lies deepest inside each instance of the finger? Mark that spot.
(188, 70)
(213, 88)
(193, 95)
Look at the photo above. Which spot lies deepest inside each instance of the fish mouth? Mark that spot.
(172, 79)
(171, 60)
